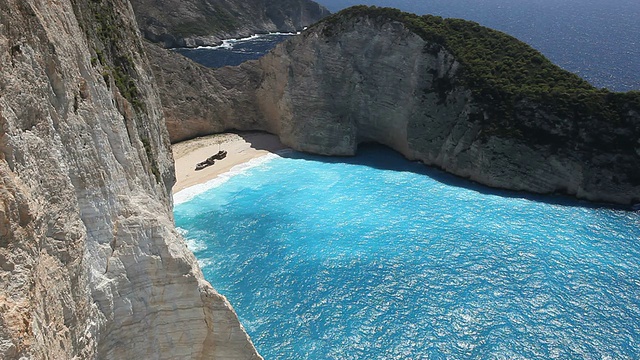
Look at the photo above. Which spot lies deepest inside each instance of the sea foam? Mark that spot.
(193, 191)
(229, 43)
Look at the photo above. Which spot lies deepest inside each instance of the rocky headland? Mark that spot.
(191, 23)
(450, 93)
(91, 265)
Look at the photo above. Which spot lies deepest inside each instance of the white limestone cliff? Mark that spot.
(91, 265)
(356, 79)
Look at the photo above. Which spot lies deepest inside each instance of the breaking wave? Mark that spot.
(193, 191)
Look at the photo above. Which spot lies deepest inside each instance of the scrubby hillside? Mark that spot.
(178, 23)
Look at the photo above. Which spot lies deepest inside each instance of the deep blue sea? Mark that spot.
(234, 52)
(375, 257)
(596, 39)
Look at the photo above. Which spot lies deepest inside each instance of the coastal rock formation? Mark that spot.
(190, 23)
(450, 93)
(198, 102)
(91, 265)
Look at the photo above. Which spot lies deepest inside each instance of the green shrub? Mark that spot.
(501, 70)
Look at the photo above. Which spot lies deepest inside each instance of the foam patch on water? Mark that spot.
(193, 191)
(181, 231)
(229, 43)
(195, 245)
(284, 33)
(205, 262)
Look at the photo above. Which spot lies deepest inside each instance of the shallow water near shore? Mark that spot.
(375, 257)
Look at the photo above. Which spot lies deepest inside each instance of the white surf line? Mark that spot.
(189, 193)
(228, 43)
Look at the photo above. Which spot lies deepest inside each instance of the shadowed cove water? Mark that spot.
(374, 257)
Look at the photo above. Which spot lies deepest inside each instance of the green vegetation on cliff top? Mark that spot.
(501, 70)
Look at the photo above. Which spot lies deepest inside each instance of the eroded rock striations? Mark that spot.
(91, 265)
(190, 23)
(450, 93)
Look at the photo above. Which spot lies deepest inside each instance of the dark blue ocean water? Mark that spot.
(596, 39)
(234, 52)
(374, 257)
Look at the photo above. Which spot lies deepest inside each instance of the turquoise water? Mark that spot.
(375, 257)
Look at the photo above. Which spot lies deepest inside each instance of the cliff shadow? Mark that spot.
(261, 140)
(384, 158)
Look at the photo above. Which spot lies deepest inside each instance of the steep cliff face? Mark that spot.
(178, 23)
(376, 75)
(198, 101)
(90, 263)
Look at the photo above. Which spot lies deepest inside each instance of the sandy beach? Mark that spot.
(240, 147)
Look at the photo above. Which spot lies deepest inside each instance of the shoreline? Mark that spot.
(242, 147)
(228, 43)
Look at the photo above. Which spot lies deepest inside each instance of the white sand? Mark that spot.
(241, 148)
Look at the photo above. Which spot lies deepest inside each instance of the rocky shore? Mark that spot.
(374, 75)
(191, 23)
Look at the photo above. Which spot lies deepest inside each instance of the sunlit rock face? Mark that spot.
(91, 265)
(356, 79)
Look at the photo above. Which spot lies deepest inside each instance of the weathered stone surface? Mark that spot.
(373, 80)
(189, 90)
(91, 265)
(190, 23)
